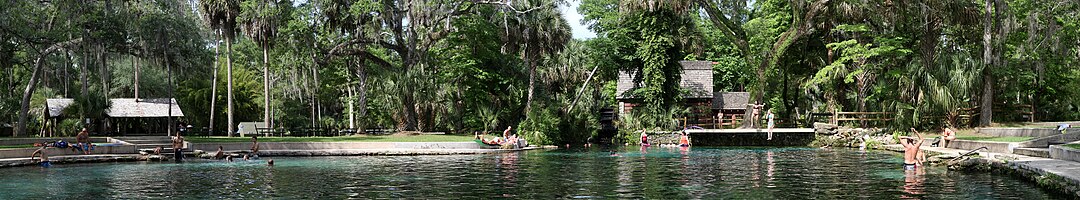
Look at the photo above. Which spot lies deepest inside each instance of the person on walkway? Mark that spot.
(83, 140)
(769, 116)
(178, 147)
(911, 149)
(44, 159)
(254, 146)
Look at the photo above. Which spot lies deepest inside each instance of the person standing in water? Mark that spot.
(44, 159)
(684, 139)
(911, 149)
(644, 138)
(178, 147)
(770, 117)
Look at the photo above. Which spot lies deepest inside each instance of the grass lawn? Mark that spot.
(994, 139)
(1074, 146)
(16, 146)
(381, 138)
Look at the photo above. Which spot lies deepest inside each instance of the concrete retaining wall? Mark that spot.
(1064, 153)
(18, 141)
(996, 147)
(335, 145)
(25, 152)
(1020, 132)
(1052, 139)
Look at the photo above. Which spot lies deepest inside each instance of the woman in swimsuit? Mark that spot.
(644, 138)
(684, 140)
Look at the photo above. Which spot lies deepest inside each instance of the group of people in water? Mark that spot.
(684, 139)
(251, 155)
(82, 144)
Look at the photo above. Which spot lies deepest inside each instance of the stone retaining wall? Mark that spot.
(838, 136)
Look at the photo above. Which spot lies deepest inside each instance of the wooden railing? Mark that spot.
(860, 118)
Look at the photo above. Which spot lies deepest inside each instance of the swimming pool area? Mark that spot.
(623, 172)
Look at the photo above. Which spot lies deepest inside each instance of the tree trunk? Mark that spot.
(352, 95)
(532, 83)
(39, 64)
(361, 94)
(213, 85)
(168, 69)
(266, 87)
(135, 65)
(987, 99)
(103, 69)
(229, 82)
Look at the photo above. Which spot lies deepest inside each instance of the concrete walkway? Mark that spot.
(15, 162)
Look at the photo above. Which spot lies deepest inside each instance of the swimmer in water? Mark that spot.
(44, 159)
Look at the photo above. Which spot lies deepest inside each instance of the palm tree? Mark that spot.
(543, 32)
(260, 20)
(221, 15)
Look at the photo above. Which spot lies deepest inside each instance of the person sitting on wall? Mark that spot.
(949, 134)
(220, 153)
(83, 142)
(254, 147)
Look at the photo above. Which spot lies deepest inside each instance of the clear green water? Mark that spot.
(657, 173)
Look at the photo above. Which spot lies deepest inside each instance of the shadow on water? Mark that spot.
(584, 173)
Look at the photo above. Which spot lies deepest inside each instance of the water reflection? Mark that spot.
(913, 183)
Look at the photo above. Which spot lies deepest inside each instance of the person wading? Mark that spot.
(178, 147)
(911, 150)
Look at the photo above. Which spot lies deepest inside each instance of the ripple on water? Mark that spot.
(658, 173)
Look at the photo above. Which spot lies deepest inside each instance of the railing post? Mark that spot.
(835, 117)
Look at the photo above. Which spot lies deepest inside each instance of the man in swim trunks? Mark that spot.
(178, 147)
(911, 149)
(44, 159)
(83, 140)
